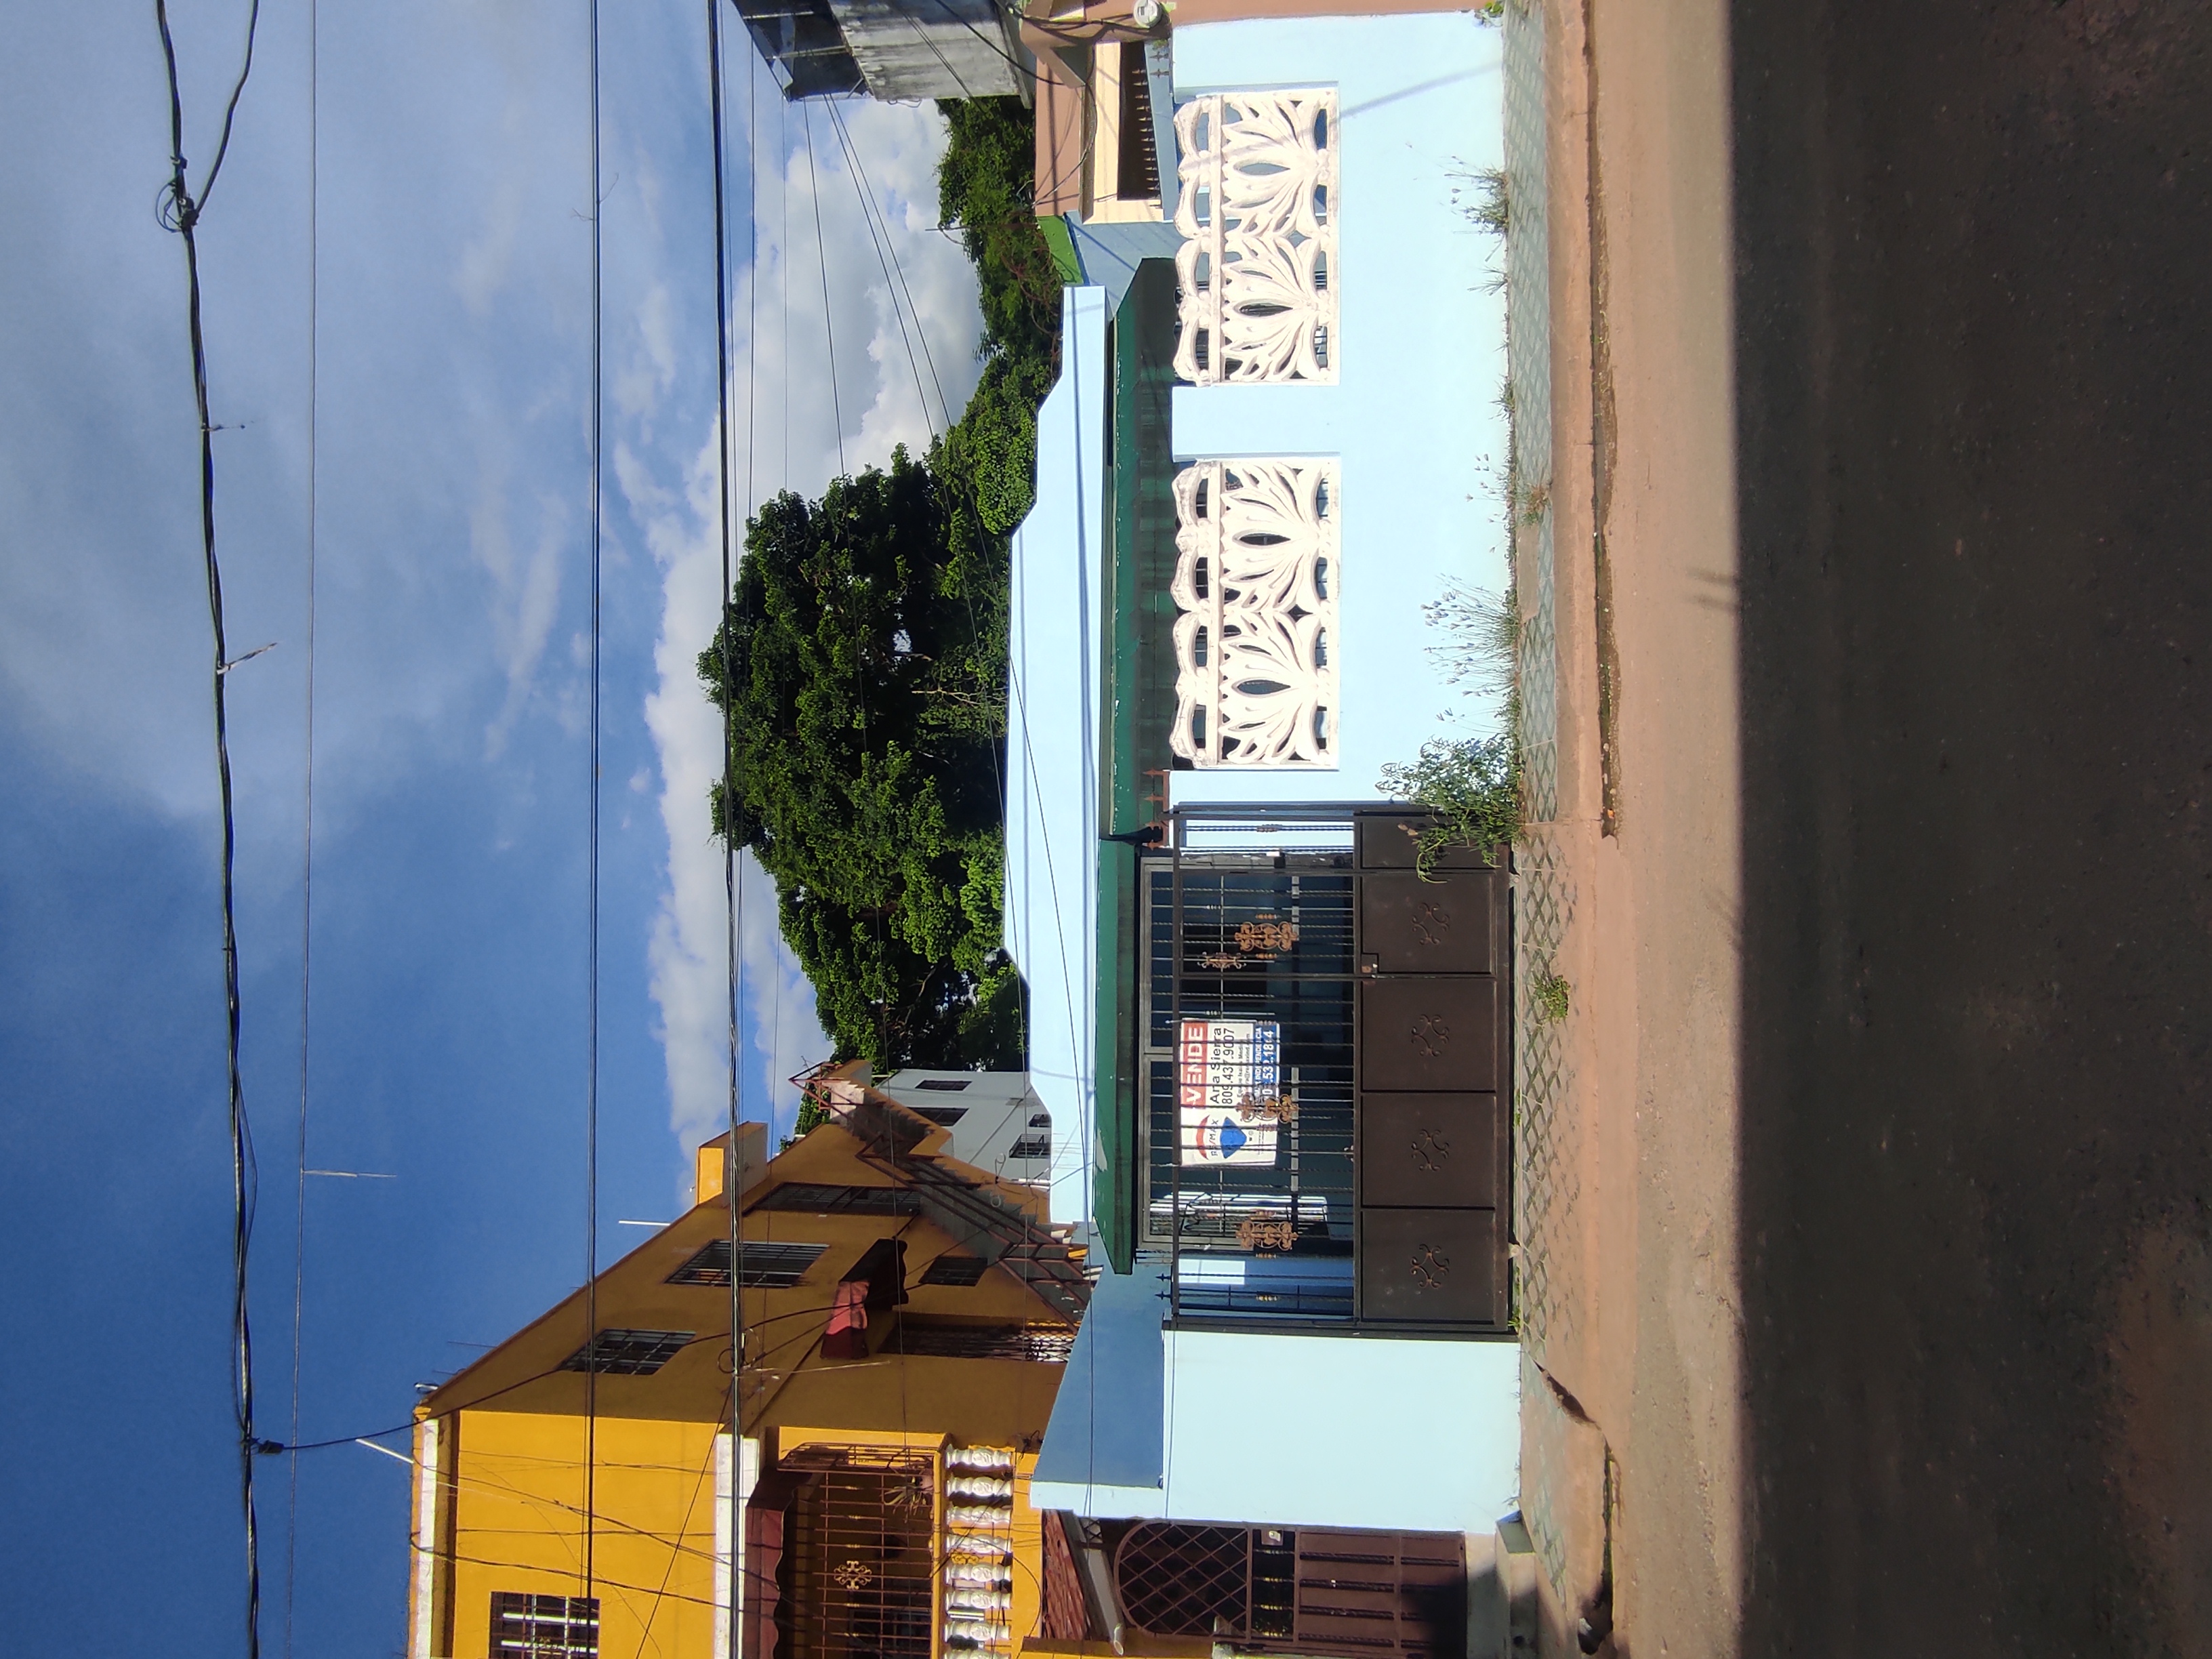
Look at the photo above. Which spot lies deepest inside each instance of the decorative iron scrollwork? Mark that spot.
(1430, 1149)
(1263, 1233)
(1269, 936)
(1280, 1109)
(1430, 1034)
(1431, 1266)
(1432, 921)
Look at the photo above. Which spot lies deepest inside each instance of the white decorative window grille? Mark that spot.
(525, 1626)
(1256, 578)
(1257, 211)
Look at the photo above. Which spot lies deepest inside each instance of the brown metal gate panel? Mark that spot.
(1431, 1266)
(1436, 1033)
(1431, 1151)
(1375, 1592)
(1451, 926)
(1433, 1068)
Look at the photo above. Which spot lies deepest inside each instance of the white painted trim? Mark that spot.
(424, 1611)
(726, 1556)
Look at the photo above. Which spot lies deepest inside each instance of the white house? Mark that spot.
(1283, 1058)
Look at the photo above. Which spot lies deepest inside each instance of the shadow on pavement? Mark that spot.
(1974, 325)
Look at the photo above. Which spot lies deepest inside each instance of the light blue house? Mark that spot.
(1277, 1058)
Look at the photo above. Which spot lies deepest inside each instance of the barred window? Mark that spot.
(1049, 1344)
(944, 1116)
(818, 1199)
(627, 1353)
(954, 1270)
(544, 1626)
(949, 1085)
(773, 1266)
(1032, 1146)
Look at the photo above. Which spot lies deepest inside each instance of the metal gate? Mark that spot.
(1435, 1079)
(1342, 1594)
(858, 1571)
(1386, 1201)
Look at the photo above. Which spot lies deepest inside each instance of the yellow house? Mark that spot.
(906, 1318)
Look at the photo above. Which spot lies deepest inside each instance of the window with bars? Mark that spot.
(773, 1266)
(857, 1578)
(1049, 1343)
(1139, 174)
(1031, 1146)
(629, 1353)
(955, 1270)
(947, 1084)
(524, 1626)
(813, 1199)
(944, 1116)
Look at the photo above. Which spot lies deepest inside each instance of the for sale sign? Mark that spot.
(1226, 1072)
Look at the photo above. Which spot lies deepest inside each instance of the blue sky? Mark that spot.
(448, 1007)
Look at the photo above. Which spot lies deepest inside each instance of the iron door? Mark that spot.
(1434, 1072)
(1427, 1151)
(1432, 1033)
(1430, 1267)
(1365, 1591)
(1409, 926)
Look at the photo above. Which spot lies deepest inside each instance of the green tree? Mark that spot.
(867, 645)
(867, 725)
(987, 191)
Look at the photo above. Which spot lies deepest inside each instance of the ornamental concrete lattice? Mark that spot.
(1257, 210)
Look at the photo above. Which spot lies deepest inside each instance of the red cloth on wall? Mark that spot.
(847, 1337)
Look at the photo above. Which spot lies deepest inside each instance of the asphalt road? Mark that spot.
(1973, 329)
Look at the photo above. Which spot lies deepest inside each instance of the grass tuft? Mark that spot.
(1549, 992)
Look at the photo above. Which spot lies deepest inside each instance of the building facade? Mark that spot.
(998, 1120)
(580, 1491)
(1274, 447)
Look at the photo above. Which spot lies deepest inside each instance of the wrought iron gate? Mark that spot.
(1435, 1083)
(1383, 1199)
(1268, 1590)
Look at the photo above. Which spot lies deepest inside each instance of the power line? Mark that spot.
(733, 1173)
(307, 814)
(179, 212)
(865, 191)
(592, 1025)
(677, 1546)
(828, 326)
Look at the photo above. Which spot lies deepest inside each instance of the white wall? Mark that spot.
(1421, 353)
(996, 1109)
(1340, 1430)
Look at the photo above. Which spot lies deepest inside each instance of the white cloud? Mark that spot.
(780, 389)
(526, 591)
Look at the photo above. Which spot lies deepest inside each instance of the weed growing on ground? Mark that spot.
(1549, 992)
(1492, 208)
(1473, 788)
(1536, 500)
(1481, 195)
(1481, 649)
